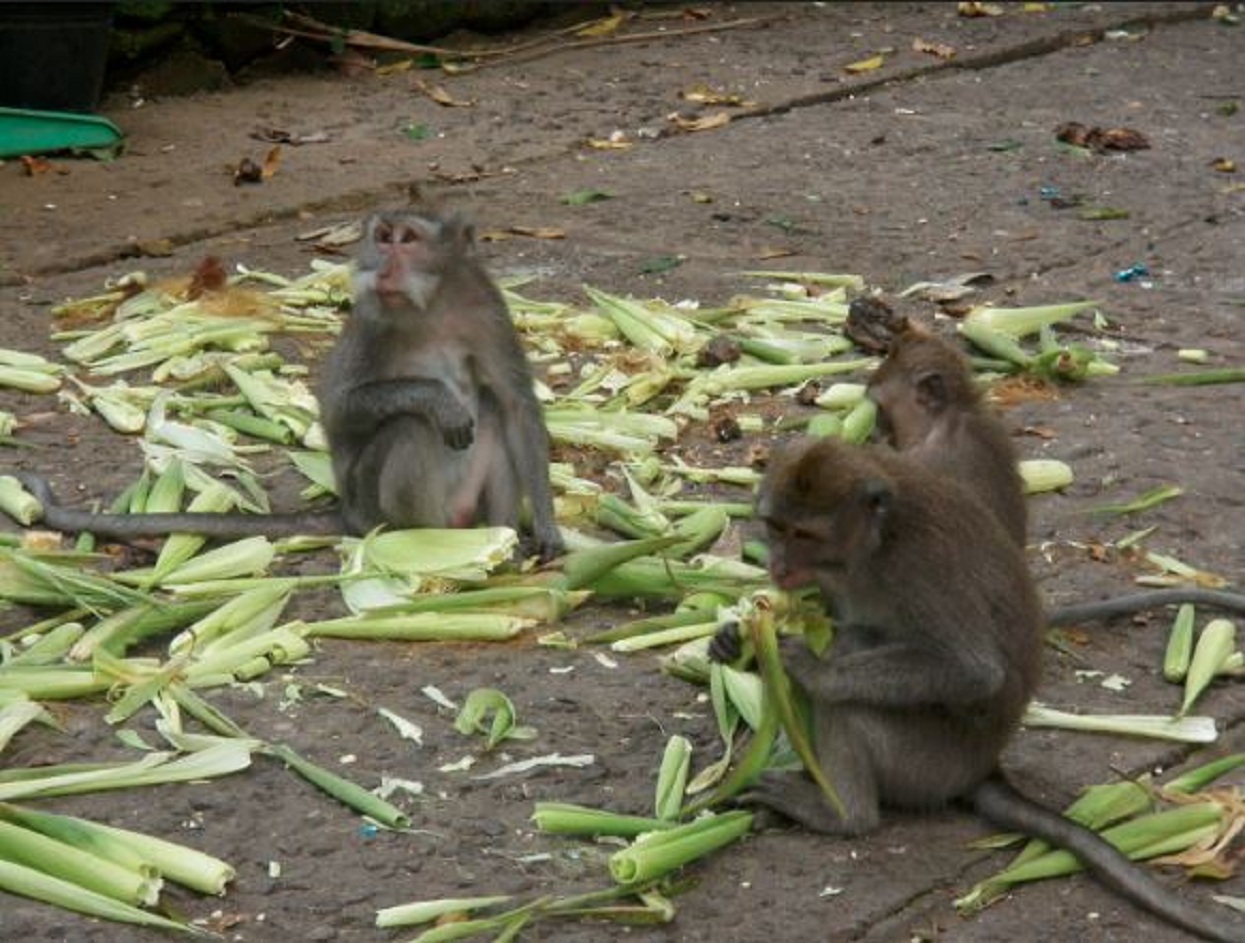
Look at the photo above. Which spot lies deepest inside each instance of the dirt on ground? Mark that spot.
(924, 168)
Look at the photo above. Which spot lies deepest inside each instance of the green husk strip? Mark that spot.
(152, 769)
(205, 713)
(1205, 378)
(755, 760)
(586, 567)
(51, 683)
(1020, 322)
(422, 627)
(167, 490)
(676, 762)
(641, 627)
(279, 646)
(539, 603)
(25, 579)
(253, 612)
(186, 866)
(828, 279)
(996, 344)
(482, 702)
(1044, 474)
(406, 915)
(659, 853)
(1147, 836)
(1181, 729)
(19, 503)
(29, 381)
(124, 628)
(779, 689)
(564, 818)
(77, 865)
(248, 557)
(1145, 502)
(52, 646)
(670, 636)
(178, 548)
(343, 790)
(27, 882)
(16, 715)
(653, 577)
(1198, 779)
(662, 332)
(1217, 642)
(139, 690)
(859, 422)
(1179, 651)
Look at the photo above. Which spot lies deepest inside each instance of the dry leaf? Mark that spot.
(603, 27)
(864, 65)
(538, 232)
(247, 171)
(34, 166)
(704, 94)
(440, 95)
(1224, 165)
(941, 50)
(403, 66)
(979, 9)
(272, 162)
(609, 144)
(706, 123)
(775, 252)
(209, 275)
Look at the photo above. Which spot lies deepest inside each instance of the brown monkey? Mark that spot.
(937, 650)
(929, 408)
(426, 399)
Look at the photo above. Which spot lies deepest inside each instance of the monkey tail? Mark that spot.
(997, 801)
(1136, 602)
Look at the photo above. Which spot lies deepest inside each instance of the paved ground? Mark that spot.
(924, 168)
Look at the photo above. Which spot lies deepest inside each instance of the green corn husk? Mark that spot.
(1180, 729)
(19, 503)
(1147, 836)
(641, 627)
(1179, 651)
(564, 818)
(669, 636)
(658, 853)
(841, 396)
(253, 612)
(1040, 475)
(663, 332)
(1204, 378)
(1195, 780)
(27, 882)
(29, 381)
(1145, 502)
(178, 863)
(407, 915)
(676, 762)
(1216, 642)
(28, 580)
(996, 343)
(251, 556)
(859, 422)
(1021, 322)
(341, 789)
(482, 702)
(50, 647)
(129, 626)
(76, 865)
(423, 627)
(16, 714)
(280, 646)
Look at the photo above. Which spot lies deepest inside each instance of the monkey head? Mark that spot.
(405, 254)
(824, 505)
(921, 377)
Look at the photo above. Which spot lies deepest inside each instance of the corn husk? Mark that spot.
(19, 503)
(1179, 728)
(1216, 643)
(1179, 652)
(658, 853)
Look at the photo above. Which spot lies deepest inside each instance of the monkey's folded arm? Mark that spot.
(893, 674)
(368, 406)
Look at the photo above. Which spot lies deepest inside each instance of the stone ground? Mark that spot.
(890, 174)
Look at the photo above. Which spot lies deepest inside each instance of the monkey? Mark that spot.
(929, 406)
(936, 652)
(427, 401)
(930, 409)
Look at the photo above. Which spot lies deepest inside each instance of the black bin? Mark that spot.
(52, 55)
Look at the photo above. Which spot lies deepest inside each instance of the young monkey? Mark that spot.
(426, 399)
(929, 408)
(937, 650)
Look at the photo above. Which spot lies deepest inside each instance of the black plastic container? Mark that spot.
(52, 55)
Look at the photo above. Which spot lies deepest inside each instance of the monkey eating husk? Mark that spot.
(937, 650)
(427, 401)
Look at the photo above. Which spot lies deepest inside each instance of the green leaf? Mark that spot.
(581, 197)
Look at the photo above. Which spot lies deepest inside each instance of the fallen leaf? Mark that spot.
(34, 166)
(704, 94)
(775, 252)
(979, 9)
(604, 27)
(659, 264)
(405, 65)
(864, 65)
(538, 232)
(439, 95)
(705, 123)
(941, 50)
(609, 144)
(582, 197)
(1008, 144)
(699, 196)
(1101, 139)
(154, 248)
(1224, 165)
(417, 132)
(272, 162)
(1092, 213)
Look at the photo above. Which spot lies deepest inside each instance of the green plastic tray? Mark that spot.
(40, 132)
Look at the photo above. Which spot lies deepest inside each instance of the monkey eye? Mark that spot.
(384, 233)
(409, 235)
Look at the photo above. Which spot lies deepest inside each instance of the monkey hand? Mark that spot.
(801, 665)
(726, 645)
(456, 424)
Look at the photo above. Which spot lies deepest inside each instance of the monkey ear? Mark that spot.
(931, 391)
(462, 232)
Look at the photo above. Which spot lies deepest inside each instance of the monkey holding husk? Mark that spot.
(929, 408)
(937, 650)
(426, 399)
